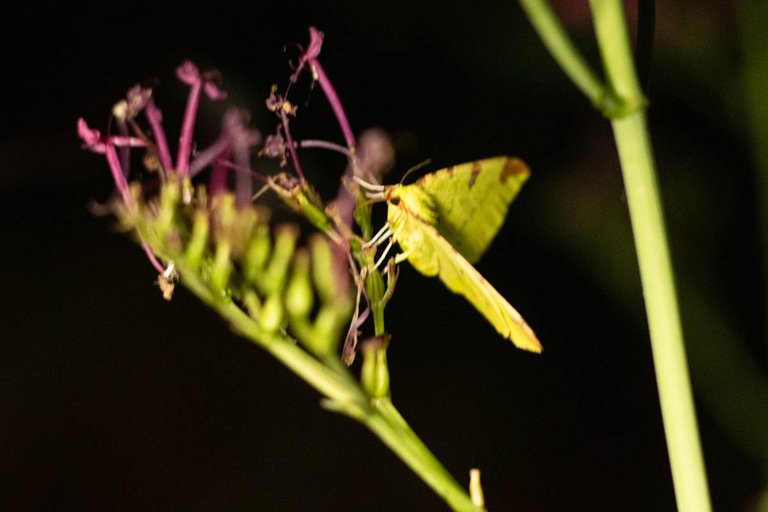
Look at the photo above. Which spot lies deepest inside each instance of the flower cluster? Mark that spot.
(217, 239)
(296, 300)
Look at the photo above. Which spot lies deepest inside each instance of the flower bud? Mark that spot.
(323, 269)
(374, 375)
(274, 276)
(221, 268)
(326, 331)
(166, 216)
(271, 313)
(298, 296)
(199, 239)
(257, 254)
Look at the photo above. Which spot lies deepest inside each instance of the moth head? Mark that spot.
(412, 199)
(392, 198)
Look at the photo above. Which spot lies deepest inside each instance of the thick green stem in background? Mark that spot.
(561, 47)
(672, 377)
(624, 104)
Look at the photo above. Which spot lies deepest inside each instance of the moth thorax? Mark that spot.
(416, 201)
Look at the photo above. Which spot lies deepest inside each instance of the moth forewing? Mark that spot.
(461, 277)
(469, 202)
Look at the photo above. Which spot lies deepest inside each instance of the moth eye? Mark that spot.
(395, 201)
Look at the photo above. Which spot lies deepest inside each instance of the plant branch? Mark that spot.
(556, 39)
(627, 114)
(345, 396)
(656, 274)
(672, 376)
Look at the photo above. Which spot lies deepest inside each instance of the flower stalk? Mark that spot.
(294, 301)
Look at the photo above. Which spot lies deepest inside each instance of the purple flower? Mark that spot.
(93, 141)
(136, 99)
(241, 139)
(188, 73)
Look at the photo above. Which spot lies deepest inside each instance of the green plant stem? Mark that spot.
(634, 147)
(638, 168)
(390, 427)
(336, 383)
(561, 47)
(672, 376)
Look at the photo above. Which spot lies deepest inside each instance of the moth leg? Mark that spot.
(261, 191)
(378, 239)
(402, 256)
(384, 254)
(350, 342)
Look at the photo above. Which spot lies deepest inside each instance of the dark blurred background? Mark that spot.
(113, 399)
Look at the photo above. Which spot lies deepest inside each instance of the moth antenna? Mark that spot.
(415, 168)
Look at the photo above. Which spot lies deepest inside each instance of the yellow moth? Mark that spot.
(445, 221)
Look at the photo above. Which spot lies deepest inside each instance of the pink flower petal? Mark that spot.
(90, 136)
(213, 91)
(188, 73)
(315, 43)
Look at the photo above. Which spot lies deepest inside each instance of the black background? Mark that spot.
(112, 399)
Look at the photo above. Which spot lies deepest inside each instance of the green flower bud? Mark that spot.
(257, 254)
(323, 269)
(325, 331)
(245, 222)
(271, 313)
(252, 303)
(187, 190)
(166, 216)
(199, 239)
(275, 274)
(221, 268)
(298, 296)
(224, 215)
(374, 374)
